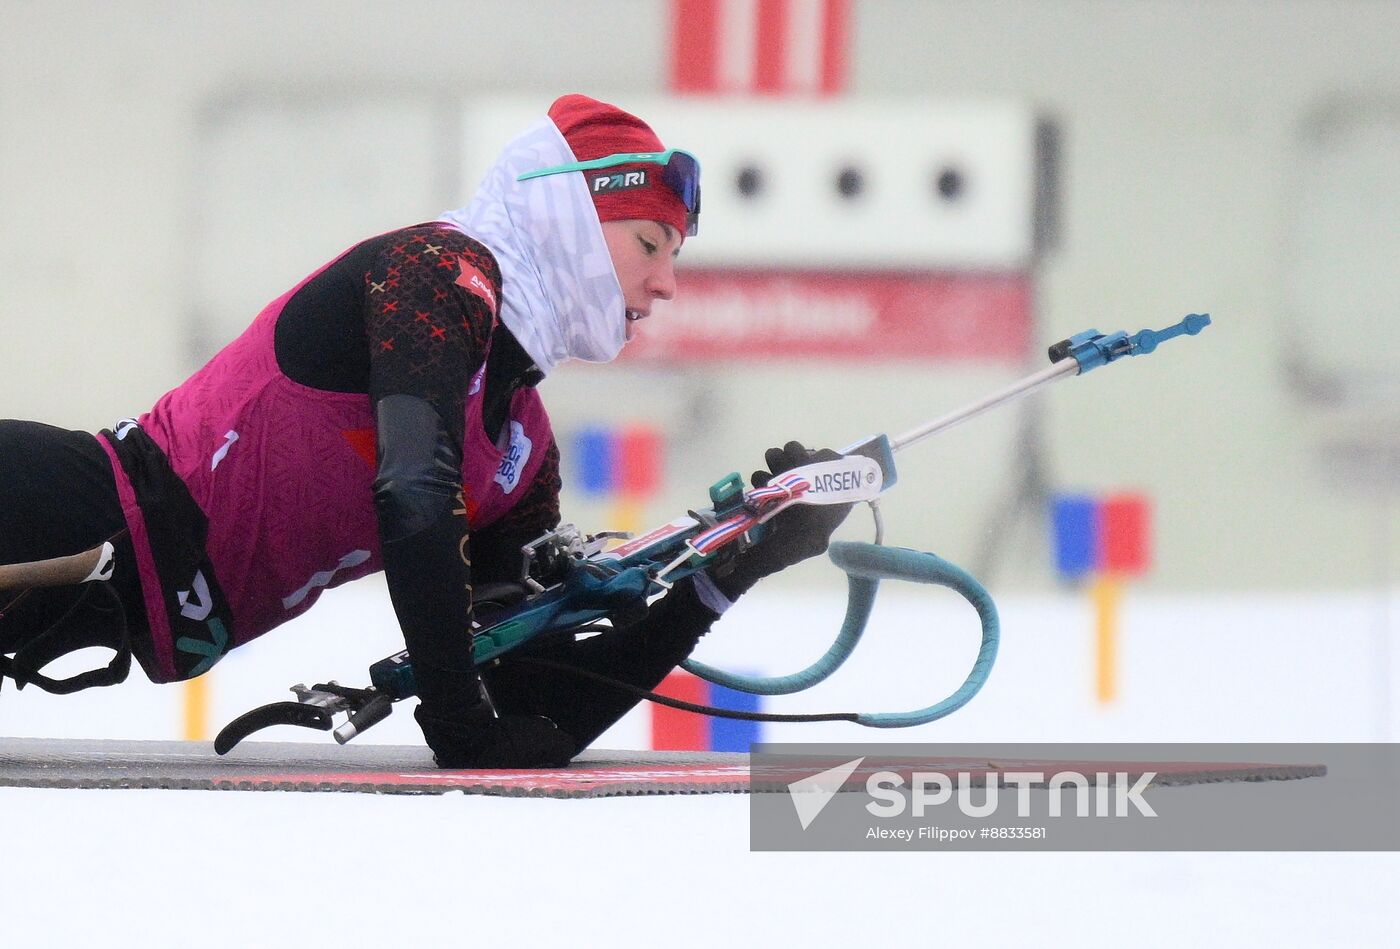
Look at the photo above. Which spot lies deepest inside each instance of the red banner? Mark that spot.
(771, 47)
(726, 315)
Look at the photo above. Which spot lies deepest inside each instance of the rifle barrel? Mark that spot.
(1025, 386)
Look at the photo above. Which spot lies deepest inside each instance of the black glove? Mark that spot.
(800, 532)
(464, 732)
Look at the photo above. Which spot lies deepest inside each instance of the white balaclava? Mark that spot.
(559, 292)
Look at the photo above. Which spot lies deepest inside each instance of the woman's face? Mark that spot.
(644, 257)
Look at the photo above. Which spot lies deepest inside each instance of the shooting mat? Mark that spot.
(398, 769)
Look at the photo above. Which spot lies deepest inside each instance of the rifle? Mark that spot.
(572, 583)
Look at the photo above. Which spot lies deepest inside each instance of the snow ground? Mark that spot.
(152, 869)
(179, 868)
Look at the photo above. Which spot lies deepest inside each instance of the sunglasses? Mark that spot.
(680, 171)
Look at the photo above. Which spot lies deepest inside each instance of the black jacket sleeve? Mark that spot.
(427, 337)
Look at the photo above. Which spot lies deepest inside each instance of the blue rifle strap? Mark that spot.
(865, 566)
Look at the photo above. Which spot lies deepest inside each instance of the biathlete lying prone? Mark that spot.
(383, 415)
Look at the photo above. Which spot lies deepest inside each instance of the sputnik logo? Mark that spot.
(810, 796)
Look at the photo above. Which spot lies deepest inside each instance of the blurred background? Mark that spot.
(906, 202)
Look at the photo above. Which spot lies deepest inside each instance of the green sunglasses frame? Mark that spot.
(608, 161)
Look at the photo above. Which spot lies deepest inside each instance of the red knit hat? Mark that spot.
(596, 129)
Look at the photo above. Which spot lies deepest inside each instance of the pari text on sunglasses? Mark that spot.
(679, 170)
